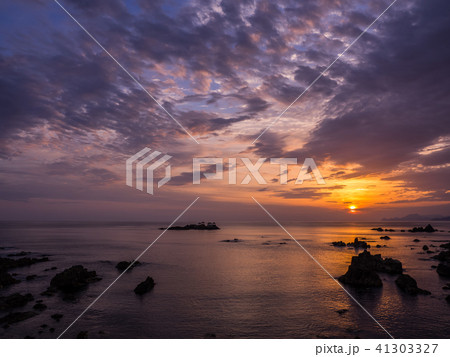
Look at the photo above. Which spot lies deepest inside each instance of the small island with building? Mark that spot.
(201, 226)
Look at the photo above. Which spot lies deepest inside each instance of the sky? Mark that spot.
(377, 123)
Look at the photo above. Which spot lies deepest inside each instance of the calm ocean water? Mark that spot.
(233, 290)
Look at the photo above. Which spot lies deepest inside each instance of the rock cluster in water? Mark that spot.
(355, 244)
(427, 229)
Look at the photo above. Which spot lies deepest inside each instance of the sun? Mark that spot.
(352, 207)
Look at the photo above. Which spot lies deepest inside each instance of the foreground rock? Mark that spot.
(427, 229)
(123, 265)
(73, 279)
(144, 287)
(200, 226)
(363, 270)
(408, 284)
(14, 301)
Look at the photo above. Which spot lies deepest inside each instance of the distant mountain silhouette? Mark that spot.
(418, 217)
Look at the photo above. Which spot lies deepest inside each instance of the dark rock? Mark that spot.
(408, 284)
(145, 286)
(341, 311)
(209, 335)
(52, 329)
(15, 317)
(379, 229)
(235, 240)
(40, 306)
(44, 326)
(385, 237)
(425, 247)
(427, 229)
(30, 277)
(402, 230)
(339, 244)
(448, 299)
(82, 335)
(416, 240)
(443, 269)
(73, 279)
(15, 300)
(445, 245)
(364, 267)
(57, 317)
(446, 287)
(124, 265)
(389, 230)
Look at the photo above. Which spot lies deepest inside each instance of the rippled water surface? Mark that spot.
(256, 288)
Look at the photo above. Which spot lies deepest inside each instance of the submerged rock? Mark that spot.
(40, 306)
(408, 284)
(425, 247)
(124, 265)
(145, 286)
(15, 300)
(235, 240)
(15, 317)
(73, 279)
(82, 334)
(57, 317)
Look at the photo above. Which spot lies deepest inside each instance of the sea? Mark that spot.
(265, 285)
